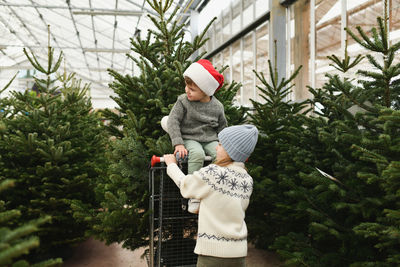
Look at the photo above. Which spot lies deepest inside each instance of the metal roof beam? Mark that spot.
(137, 5)
(16, 67)
(109, 13)
(89, 11)
(113, 39)
(85, 79)
(137, 31)
(185, 15)
(77, 34)
(85, 26)
(104, 69)
(86, 49)
(25, 26)
(44, 22)
(11, 29)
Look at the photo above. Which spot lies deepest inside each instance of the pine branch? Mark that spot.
(383, 34)
(17, 250)
(7, 216)
(6, 184)
(172, 16)
(34, 62)
(8, 84)
(345, 64)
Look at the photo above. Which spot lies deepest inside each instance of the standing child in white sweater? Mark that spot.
(224, 189)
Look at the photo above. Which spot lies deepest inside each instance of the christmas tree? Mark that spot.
(52, 144)
(17, 241)
(280, 124)
(143, 100)
(382, 228)
(342, 165)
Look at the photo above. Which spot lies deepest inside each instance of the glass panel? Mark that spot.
(211, 10)
(262, 6)
(218, 32)
(217, 62)
(262, 55)
(248, 75)
(226, 62)
(236, 24)
(364, 14)
(394, 23)
(236, 21)
(395, 19)
(212, 37)
(292, 46)
(236, 65)
(208, 45)
(327, 42)
(248, 16)
(226, 30)
(203, 48)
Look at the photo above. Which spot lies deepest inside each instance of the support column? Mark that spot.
(277, 34)
(388, 12)
(301, 49)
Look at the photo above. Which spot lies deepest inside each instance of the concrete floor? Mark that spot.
(94, 253)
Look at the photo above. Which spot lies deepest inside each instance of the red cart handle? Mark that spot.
(155, 159)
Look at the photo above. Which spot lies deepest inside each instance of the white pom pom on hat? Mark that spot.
(205, 76)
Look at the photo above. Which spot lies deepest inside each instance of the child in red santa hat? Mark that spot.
(196, 118)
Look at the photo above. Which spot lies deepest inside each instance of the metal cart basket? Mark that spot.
(172, 228)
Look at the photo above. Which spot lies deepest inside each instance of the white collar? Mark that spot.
(237, 164)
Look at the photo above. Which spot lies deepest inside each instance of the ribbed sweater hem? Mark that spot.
(220, 249)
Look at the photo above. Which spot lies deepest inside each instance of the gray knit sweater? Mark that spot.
(195, 120)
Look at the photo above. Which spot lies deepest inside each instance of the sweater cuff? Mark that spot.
(175, 173)
(177, 141)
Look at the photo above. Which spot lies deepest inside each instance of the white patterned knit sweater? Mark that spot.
(224, 193)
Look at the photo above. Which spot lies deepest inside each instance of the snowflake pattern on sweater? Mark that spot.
(228, 181)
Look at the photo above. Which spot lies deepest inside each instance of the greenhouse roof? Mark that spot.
(93, 35)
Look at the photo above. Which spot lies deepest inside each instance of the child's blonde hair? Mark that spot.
(225, 161)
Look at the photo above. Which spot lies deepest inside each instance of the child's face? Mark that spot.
(221, 153)
(194, 93)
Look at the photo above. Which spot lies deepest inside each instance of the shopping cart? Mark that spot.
(172, 228)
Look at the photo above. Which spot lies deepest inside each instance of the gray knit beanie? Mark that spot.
(239, 141)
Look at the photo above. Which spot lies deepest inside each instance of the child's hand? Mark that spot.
(182, 151)
(169, 159)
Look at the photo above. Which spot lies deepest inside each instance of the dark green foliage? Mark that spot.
(17, 241)
(279, 123)
(52, 144)
(143, 100)
(334, 199)
(123, 216)
(382, 228)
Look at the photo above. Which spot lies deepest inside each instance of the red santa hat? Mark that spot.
(205, 76)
